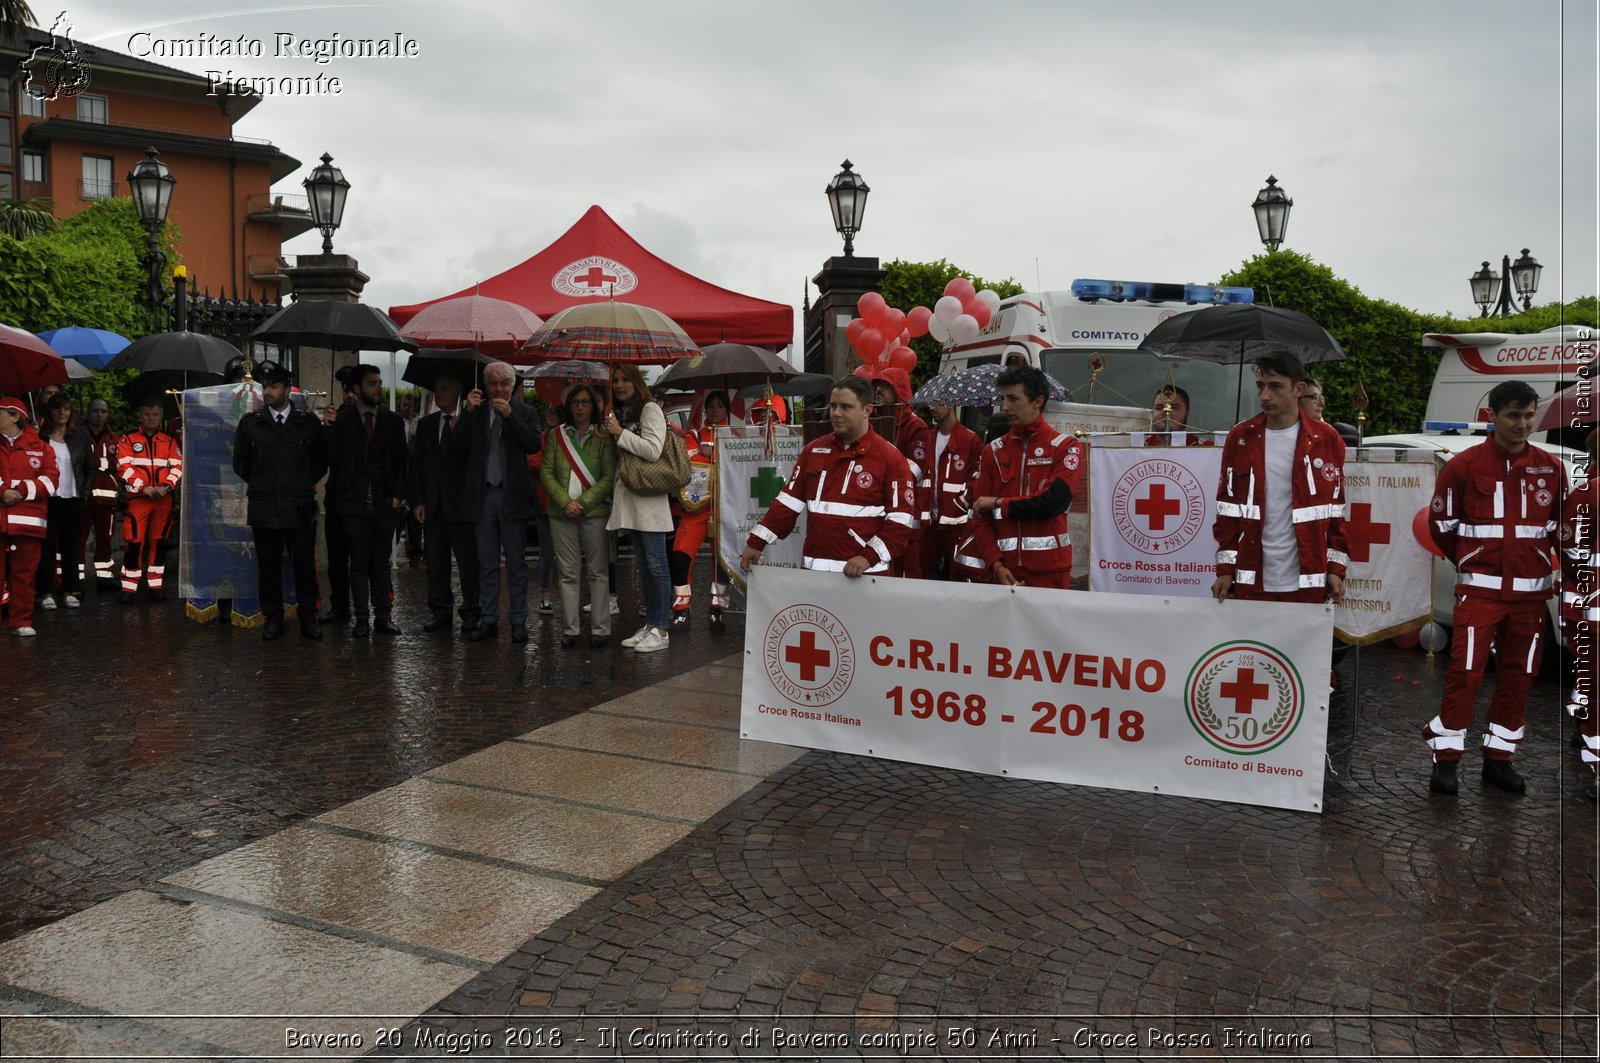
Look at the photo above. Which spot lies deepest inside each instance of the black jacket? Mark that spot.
(362, 477)
(521, 436)
(81, 449)
(281, 464)
(435, 482)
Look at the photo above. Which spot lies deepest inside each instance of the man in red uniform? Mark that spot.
(1280, 498)
(699, 520)
(27, 480)
(891, 390)
(150, 465)
(1496, 508)
(103, 488)
(957, 451)
(1026, 481)
(855, 488)
(1580, 613)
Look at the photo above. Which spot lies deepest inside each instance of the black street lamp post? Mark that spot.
(1272, 213)
(151, 183)
(847, 198)
(1523, 275)
(327, 189)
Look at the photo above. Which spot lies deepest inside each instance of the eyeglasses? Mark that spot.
(1310, 398)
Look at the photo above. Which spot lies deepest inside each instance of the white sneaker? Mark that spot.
(24, 632)
(74, 601)
(637, 637)
(653, 642)
(47, 602)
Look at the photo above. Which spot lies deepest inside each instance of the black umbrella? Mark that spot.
(726, 366)
(334, 325)
(185, 352)
(803, 385)
(1240, 332)
(158, 382)
(424, 367)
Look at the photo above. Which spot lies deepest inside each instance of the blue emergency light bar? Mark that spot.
(1457, 426)
(1150, 292)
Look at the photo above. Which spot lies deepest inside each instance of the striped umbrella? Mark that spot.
(608, 331)
(974, 386)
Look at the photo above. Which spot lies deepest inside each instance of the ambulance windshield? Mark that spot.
(1219, 395)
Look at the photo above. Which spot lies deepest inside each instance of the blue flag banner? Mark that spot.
(217, 560)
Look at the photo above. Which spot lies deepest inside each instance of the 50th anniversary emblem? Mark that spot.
(1244, 697)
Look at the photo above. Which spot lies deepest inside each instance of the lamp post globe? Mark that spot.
(327, 189)
(1525, 276)
(1272, 213)
(1491, 287)
(151, 183)
(847, 198)
(1483, 288)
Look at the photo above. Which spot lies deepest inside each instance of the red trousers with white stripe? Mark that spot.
(19, 561)
(145, 528)
(1515, 630)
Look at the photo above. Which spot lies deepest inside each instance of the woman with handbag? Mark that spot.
(578, 474)
(636, 422)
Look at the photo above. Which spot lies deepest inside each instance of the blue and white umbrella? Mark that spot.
(974, 386)
(94, 347)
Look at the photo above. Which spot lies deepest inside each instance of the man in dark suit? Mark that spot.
(280, 453)
(367, 485)
(497, 486)
(332, 526)
(447, 526)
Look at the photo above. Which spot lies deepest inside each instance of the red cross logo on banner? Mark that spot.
(1244, 691)
(808, 656)
(1362, 533)
(1157, 506)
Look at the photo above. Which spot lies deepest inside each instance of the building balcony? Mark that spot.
(90, 189)
(269, 269)
(291, 213)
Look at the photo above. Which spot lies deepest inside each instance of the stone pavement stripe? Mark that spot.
(681, 723)
(664, 740)
(455, 854)
(639, 757)
(700, 684)
(593, 806)
(709, 710)
(332, 876)
(84, 1032)
(185, 895)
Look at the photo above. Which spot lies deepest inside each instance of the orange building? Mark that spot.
(78, 148)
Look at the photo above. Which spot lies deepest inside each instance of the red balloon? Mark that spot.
(1407, 640)
(1419, 529)
(865, 372)
(903, 358)
(853, 331)
(961, 288)
(917, 321)
(891, 321)
(871, 305)
(978, 309)
(870, 343)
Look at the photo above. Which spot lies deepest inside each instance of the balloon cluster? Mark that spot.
(882, 335)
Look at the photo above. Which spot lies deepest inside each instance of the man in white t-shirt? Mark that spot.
(1280, 498)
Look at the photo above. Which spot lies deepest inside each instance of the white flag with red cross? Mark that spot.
(1150, 516)
(1389, 585)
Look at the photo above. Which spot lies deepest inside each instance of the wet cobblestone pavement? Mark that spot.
(841, 907)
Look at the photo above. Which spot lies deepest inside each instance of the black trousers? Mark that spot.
(63, 533)
(301, 544)
(444, 539)
(338, 563)
(371, 540)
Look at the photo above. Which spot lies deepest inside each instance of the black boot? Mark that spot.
(1444, 778)
(1500, 774)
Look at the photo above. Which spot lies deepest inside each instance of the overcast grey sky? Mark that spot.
(1039, 140)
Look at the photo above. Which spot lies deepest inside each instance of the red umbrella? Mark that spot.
(27, 363)
(488, 326)
(1572, 407)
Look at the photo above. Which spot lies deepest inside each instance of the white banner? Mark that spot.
(1151, 514)
(1390, 583)
(1220, 700)
(747, 482)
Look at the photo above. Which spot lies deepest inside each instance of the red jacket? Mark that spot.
(1495, 516)
(27, 466)
(1034, 470)
(1317, 485)
(103, 465)
(953, 473)
(1580, 588)
(149, 460)
(914, 439)
(857, 498)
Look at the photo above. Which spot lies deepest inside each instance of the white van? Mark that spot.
(1063, 333)
(1472, 363)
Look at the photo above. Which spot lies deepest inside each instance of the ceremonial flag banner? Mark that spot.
(1219, 700)
(748, 479)
(217, 555)
(1088, 417)
(1151, 514)
(1389, 588)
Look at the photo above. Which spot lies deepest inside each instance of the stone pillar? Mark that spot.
(843, 281)
(324, 277)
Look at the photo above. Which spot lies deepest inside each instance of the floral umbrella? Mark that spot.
(974, 386)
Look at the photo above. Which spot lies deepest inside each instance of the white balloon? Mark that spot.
(990, 296)
(947, 309)
(938, 330)
(965, 328)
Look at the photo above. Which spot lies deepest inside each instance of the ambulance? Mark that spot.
(1100, 323)
(1472, 363)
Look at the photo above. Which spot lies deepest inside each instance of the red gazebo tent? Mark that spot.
(596, 257)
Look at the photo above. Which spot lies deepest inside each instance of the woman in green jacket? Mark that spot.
(578, 473)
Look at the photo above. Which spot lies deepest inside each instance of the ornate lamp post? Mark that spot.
(152, 183)
(327, 190)
(1272, 213)
(847, 198)
(1523, 274)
